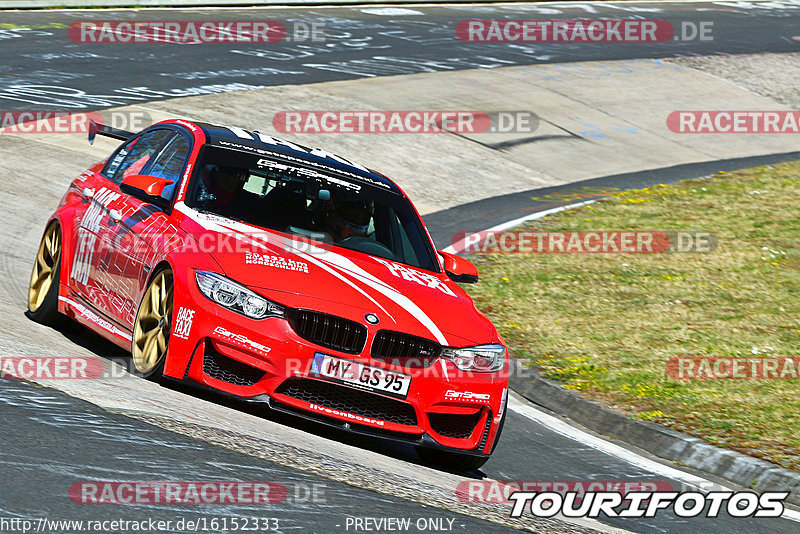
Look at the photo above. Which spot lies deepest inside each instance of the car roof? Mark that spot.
(240, 139)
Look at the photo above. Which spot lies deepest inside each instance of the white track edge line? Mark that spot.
(565, 429)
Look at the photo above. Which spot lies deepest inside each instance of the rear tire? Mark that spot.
(43, 286)
(451, 461)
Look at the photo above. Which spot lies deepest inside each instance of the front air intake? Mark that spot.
(349, 400)
(404, 349)
(329, 331)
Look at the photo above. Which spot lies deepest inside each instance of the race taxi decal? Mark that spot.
(420, 277)
(279, 262)
(183, 323)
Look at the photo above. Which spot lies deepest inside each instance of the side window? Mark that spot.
(136, 154)
(170, 163)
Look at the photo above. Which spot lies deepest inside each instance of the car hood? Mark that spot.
(342, 282)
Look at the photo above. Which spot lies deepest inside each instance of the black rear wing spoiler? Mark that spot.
(107, 131)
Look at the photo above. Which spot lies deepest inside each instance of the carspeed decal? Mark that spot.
(648, 503)
(186, 124)
(174, 492)
(241, 340)
(468, 396)
(306, 163)
(185, 181)
(183, 323)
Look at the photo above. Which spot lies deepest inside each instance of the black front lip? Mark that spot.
(423, 440)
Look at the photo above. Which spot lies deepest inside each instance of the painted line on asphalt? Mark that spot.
(565, 429)
(459, 246)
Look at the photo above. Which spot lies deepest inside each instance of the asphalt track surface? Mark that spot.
(56, 440)
(50, 440)
(43, 69)
(490, 212)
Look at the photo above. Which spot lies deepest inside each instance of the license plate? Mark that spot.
(360, 375)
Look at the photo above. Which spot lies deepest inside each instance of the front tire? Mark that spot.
(43, 286)
(152, 327)
(451, 461)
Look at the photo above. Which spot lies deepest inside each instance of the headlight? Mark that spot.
(481, 359)
(236, 297)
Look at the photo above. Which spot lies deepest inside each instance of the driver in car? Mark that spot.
(349, 217)
(223, 189)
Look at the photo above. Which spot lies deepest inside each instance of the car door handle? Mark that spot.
(114, 216)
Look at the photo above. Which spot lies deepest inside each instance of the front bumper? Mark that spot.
(267, 360)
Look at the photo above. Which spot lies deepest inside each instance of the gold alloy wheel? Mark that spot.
(44, 270)
(152, 326)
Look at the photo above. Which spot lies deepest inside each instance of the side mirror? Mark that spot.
(459, 269)
(147, 188)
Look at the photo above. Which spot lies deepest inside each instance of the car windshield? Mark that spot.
(319, 204)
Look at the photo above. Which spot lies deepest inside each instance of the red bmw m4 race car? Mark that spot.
(278, 273)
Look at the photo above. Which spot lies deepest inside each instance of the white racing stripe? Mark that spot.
(347, 266)
(323, 265)
(329, 260)
(243, 232)
(568, 431)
